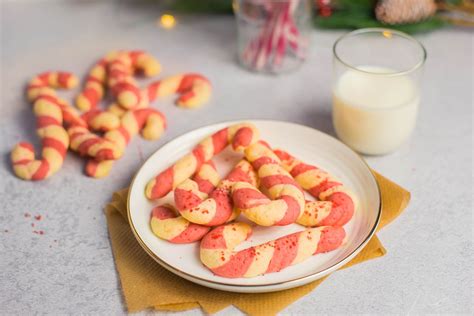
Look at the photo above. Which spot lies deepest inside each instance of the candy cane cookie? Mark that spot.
(285, 201)
(168, 225)
(121, 82)
(101, 121)
(150, 122)
(145, 63)
(48, 110)
(194, 89)
(239, 136)
(217, 250)
(217, 208)
(165, 221)
(336, 204)
(88, 144)
(46, 82)
(94, 87)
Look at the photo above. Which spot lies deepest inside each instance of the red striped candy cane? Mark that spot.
(194, 89)
(166, 223)
(239, 135)
(217, 250)
(217, 208)
(285, 202)
(336, 206)
(150, 122)
(48, 110)
(94, 87)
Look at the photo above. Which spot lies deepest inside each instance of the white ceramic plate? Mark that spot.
(309, 145)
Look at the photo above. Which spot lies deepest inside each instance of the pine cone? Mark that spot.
(404, 11)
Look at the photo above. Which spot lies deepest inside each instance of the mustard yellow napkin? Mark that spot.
(146, 284)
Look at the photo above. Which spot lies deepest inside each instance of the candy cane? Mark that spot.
(94, 87)
(145, 63)
(217, 250)
(149, 121)
(217, 208)
(168, 225)
(239, 135)
(89, 144)
(101, 121)
(195, 89)
(121, 82)
(336, 205)
(48, 110)
(285, 202)
(46, 82)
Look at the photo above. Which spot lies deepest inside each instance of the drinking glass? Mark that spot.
(376, 88)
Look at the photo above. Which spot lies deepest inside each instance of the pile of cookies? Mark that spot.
(267, 187)
(100, 135)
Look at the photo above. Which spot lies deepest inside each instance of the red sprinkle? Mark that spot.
(32, 224)
(38, 217)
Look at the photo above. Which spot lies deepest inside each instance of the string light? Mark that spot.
(167, 21)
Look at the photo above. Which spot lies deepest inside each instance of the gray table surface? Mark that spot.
(70, 269)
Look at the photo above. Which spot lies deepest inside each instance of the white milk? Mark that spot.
(374, 114)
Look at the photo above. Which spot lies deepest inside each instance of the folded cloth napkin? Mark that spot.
(146, 284)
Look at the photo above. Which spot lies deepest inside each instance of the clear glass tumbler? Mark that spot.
(376, 88)
(272, 35)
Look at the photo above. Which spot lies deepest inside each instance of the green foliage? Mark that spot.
(203, 6)
(360, 19)
(348, 14)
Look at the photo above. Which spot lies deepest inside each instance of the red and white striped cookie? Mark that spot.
(216, 208)
(51, 112)
(217, 250)
(239, 136)
(150, 122)
(336, 204)
(167, 224)
(194, 89)
(94, 87)
(284, 202)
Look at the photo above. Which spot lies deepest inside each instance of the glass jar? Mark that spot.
(272, 35)
(376, 88)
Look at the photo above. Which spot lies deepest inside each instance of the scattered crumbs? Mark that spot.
(55, 240)
(94, 217)
(50, 246)
(38, 217)
(32, 224)
(27, 215)
(38, 232)
(6, 230)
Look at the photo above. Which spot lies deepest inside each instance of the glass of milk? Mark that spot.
(376, 88)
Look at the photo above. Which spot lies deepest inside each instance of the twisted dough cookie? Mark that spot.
(195, 89)
(94, 87)
(121, 70)
(217, 250)
(168, 225)
(239, 135)
(50, 114)
(336, 205)
(285, 202)
(215, 208)
(150, 122)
